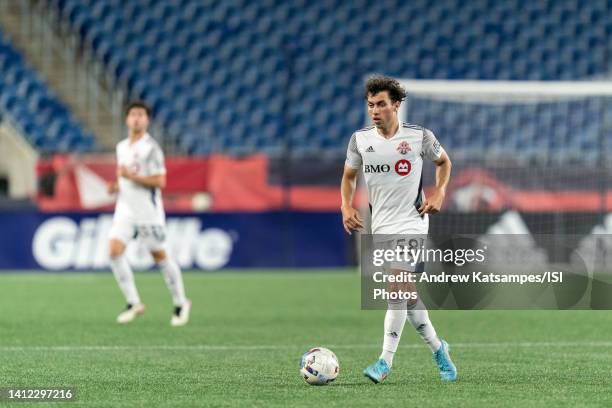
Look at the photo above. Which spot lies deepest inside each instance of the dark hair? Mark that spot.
(380, 83)
(138, 104)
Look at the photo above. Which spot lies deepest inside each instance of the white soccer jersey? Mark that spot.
(392, 169)
(136, 204)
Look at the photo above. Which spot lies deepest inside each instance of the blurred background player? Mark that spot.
(392, 155)
(139, 213)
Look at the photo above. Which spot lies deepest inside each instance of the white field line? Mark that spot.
(214, 347)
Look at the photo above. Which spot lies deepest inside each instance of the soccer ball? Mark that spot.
(319, 366)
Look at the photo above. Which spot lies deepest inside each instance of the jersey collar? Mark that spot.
(144, 137)
(399, 129)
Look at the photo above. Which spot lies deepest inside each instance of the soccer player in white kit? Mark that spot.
(391, 155)
(139, 213)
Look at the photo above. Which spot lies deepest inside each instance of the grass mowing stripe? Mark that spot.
(212, 347)
(248, 331)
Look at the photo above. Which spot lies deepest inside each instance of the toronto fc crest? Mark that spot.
(403, 147)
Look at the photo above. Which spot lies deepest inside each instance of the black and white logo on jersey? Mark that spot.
(370, 150)
(376, 168)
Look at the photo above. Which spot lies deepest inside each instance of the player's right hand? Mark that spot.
(112, 187)
(351, 219)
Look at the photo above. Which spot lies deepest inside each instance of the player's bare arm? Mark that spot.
(433, 204)
(154, 181)
(351, 220)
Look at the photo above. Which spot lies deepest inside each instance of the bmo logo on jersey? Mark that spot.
(403, 167)
(377, 168)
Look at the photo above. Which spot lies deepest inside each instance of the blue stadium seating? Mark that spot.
(240, 76)
(26, 99)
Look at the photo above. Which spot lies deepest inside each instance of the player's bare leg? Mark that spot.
(125, 278)
(174, 281)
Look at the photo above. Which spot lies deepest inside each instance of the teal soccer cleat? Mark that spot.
(378, 371)
(448, 371)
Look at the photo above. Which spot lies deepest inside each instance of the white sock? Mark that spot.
(419, 318)
(395, 318)
(174, 281)
(125, 278)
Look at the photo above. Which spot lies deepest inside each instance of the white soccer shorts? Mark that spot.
(411, 241)
(153, 237)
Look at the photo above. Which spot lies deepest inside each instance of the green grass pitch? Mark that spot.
(249, 329)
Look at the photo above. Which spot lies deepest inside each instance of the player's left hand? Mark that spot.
(433, 204)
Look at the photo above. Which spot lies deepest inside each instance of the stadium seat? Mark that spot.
(242, 55)
(28, 102)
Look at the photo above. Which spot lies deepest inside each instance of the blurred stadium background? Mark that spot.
(254, 103)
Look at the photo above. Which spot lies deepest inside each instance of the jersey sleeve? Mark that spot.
(353, 157)
(156, 162)
(432, 149)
